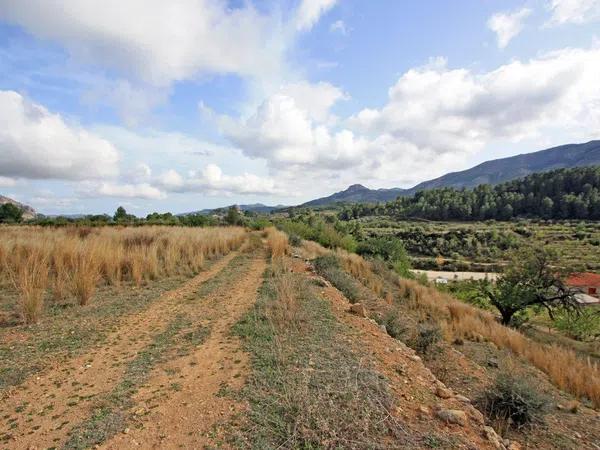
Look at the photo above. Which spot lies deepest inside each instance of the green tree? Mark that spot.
(10, 213)
(120, 214)
(530, 280)
(233, 216)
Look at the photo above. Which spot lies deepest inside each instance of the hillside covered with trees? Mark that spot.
(559, 194)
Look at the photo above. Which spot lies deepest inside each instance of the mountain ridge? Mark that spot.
(489, 172)
(28, 211)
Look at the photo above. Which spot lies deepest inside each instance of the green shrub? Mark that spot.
(426, 339)
(329, 267)
(295, 240)
(513, 400)
(582, 325)
(394, 327)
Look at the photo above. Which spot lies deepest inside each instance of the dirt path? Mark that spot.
(46, 405)
(190, 415)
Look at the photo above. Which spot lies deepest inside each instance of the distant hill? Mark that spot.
(255, 207)
(506, 169)
(28, 211)
(357, 193)
(490, 172)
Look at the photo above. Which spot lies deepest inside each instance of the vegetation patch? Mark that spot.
(329, 267)
(307, 388)
(513, 401)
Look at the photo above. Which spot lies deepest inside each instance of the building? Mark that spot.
(588, 285)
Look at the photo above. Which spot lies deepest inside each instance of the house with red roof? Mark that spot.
(588, 284)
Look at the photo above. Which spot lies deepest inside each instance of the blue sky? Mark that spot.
(183, 105)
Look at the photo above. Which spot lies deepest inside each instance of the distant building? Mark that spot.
(588, 285)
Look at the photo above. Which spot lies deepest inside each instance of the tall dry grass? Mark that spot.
(30, 278)
(277, 242)
(456, 319)
(74, 261)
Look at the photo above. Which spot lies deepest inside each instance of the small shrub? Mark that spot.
(295, 240)
(329, 267)
(31, 281)
(513, 400)
(426, 338)
(394, 327)
(581, 325)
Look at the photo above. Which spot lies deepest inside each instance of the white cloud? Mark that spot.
(212, 181)
(310, 11)
(316, 99)
(434, 120)
(141, 190)
(37, 144)
(574, 11)
(156, 40)
(7, 182)
(508, 25)
(339, 27)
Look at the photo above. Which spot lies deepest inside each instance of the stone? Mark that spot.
(424, 410)
(462, 398)
(443, 392)
(492, 362)
(415, 357)
(514, 446)
(454, 416)
(358, 309)
(493, 438)
(383, 328)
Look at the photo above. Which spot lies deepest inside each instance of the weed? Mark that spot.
(513, 401)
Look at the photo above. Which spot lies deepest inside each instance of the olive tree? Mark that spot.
(530, 279)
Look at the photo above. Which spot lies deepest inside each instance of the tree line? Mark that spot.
(558, 194)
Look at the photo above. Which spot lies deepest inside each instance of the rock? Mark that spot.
(462, 398)
(424, 410)
(513, 446)
(415, 357)
(358, 309)
(442, 392)
(492, 436)
(571, 406)
(492, 362)
(454, 416)
(383, 328)
(458, 341)
(126, 431)
(475, 414)
(140, 411)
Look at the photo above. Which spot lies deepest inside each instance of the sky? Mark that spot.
(191, 104)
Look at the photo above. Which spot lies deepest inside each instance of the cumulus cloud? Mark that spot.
(140, 190)
(507, 25)
(434, 119)
(213, 181)
(574, 11)
(310, 11)
(159, 41)
(37, 144)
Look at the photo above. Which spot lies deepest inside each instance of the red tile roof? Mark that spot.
(584, 279)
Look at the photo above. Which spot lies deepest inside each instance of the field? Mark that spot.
(481, 246)
(165, 337)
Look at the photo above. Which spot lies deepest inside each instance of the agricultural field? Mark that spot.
(481, 246)
(225, 337)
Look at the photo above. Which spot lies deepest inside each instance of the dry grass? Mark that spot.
(30, 278)
(75, 260)
(456, 319)
(313, 250)
(277, 242)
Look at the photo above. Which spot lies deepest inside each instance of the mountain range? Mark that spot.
(490, 172)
